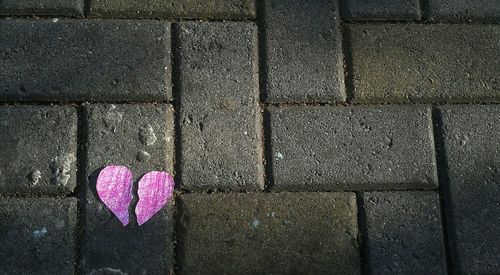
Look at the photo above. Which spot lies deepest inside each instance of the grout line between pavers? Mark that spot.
(347, 62)
(362, 234)
(444, 181)
(177, 154)
(262, 74)
(80, 190)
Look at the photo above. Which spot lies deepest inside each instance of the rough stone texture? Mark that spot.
(381, 10)
(37, 236)
(219, 114)
(84, 60)
(42, 7)
(303, 51)
(472, 145)
(268, 234)
(464, 10)
(425, 63)
(37, 149)
(189, 9)
(404, 234)
(345, 148)
(116, 134)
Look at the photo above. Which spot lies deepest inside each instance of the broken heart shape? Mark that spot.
(114, 187)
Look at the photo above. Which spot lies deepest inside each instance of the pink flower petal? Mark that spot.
(114, 187)
(155, 188)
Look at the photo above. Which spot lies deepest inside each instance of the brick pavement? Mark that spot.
(306, 137)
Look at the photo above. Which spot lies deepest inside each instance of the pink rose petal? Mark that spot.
(114, 187)
(155, 188)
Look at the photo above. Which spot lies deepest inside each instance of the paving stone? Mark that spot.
(37, 235)
(42, 7)
(268, 234)
(61, 60)
(219, 114)
(464, 10)
(303, 51)
(404, 234)
(190, 9)
(381, 10)
(425, 63)
(347, 148)
(472, 145)
(37, 149)
(117, 134)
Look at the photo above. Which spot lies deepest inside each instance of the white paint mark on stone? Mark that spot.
(37, 234)
(61, 166)
(147, 135)
(34, 177)
(279, 156)
(255, 223)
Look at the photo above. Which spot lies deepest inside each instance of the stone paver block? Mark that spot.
(37, 236)
(42, 7)
(139, 136)
(189, 9)
(464, 10)
(425, 63)
(219, 113)
(381, 10)
(268, 234)
(404, 233)
(303, 51)
(472, 145)
(62, 60)
(37, 149)
(361, 147)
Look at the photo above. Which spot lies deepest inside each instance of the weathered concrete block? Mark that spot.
(219, 113)
(190, 9)
(471, 142)
(465, 11)
(425, 63)
(42, 7)
(37, 149)
(268, 234)
(303, 51)
(381, 10)
(140, 137)
(362, 147)
(118, 60)
(404, 234)
(37, 236)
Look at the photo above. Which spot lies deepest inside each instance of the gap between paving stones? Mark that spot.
(443, 183)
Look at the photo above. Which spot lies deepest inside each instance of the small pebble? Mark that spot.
(143, 156)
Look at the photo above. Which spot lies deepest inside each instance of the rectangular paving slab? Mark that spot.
(404, 234)
(303, 53)
(139, 136)
(42, 7)
(220, 132)
(37, 235)
(268, 234)
(37, 149)
(425, 63)
(361, 147)
(79, 60)
(363, 10)
(472, 146)
(189, 9)
(464, 10)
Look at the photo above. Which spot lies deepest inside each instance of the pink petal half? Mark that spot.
(114, 187)
(155, 188)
